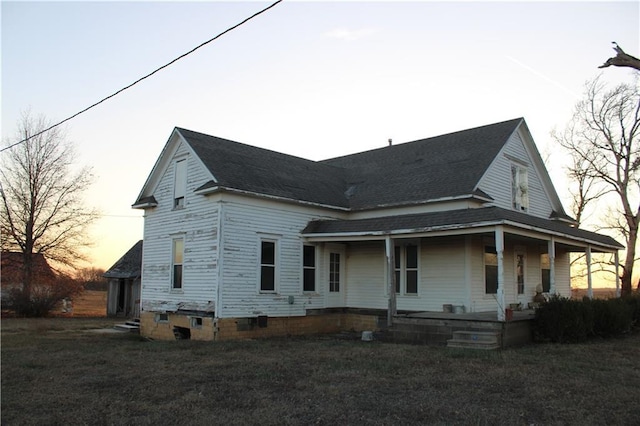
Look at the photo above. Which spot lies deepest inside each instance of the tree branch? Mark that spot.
(621, 59)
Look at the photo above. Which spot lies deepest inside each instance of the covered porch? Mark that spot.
(491, 251)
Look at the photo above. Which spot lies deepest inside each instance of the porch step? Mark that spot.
(486, 340)
(132, 326)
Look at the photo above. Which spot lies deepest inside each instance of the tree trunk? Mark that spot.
(629, 260)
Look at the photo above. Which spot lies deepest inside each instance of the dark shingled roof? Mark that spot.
(450, 165)
(248, 168)
(443, 166)
(450, 219)
(129, 265)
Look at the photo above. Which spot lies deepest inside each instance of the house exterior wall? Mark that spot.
(197, 224)
(245, 223)
(497, 180)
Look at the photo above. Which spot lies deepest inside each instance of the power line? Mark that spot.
(145, 77)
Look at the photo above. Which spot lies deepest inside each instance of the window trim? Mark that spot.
(401, 286)
(332, 288)
(520, 251)
(179, 183)
(174, 264)
(519, 187)
(274, 265)
(313, 267)
(484, 267)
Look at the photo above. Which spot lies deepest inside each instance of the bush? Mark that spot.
(43, 297)
(563, 320)
(633, 301)
(611, 317)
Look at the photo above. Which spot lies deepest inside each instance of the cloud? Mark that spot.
(349, 35)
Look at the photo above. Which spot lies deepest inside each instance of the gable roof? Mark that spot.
(11, 266)
(236, 166)
(446, 166)
(129, 265)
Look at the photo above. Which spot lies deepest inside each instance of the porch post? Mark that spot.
(500, 252)
(391, 278)
(552, 266)
(589, 280)
(617, 264)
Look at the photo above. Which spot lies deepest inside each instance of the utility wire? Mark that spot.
(145, 77)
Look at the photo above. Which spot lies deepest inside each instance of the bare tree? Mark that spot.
(601, 139)
(42, 209)
(621, 59)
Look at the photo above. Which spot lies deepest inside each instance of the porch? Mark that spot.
(437, 328)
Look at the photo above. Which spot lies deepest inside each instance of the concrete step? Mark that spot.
(133, 323)
(471, 344)
(128, 327)
(477, 336)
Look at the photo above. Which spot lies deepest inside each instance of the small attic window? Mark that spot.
(520, 187)
(180, 184)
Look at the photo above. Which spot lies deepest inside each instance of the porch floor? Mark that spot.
(490, 316)
(437, 328)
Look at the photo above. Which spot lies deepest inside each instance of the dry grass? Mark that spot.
(60, 372)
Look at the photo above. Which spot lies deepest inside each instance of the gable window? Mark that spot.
(308, 268)
(180, 184)
(520, 187)
(490, 270)
(267, 266)
(176, 264)
(520, 268)
(334, 272)
(406, 269)
(545, 271)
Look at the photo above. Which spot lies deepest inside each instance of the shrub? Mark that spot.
(633, 301)
(611, 317)
(563, 320)
(43, 297)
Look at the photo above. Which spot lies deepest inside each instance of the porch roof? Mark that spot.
(455, 220)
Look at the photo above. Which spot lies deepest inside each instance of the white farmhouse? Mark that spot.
(241, 241)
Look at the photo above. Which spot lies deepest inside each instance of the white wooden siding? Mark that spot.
(497, 180)
(245, 222)
(197, 222)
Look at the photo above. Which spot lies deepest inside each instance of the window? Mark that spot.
(177, 260)
(180, 184)
(196, 322)
(519, 187)
(309, 268)
(267, 266)
(406, 269)
(161, 318)
(545, 270)
(520, 268)
(490, 270)
(334, 272)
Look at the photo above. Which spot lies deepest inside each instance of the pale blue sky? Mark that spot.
(312, 79)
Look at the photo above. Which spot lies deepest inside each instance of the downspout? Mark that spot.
(391, 278)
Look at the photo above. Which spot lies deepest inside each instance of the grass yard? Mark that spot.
(60, 371)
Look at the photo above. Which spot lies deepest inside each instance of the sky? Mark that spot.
(311, 79)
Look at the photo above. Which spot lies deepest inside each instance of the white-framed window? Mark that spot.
(520, 187)
(180, 184)
(490, 270)
(177, 259)
(545, 272)
(334, 272)
(406, 268)
(520, 268)
(163, 317)
(308, 268)
(268, 265)
(196, 322)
